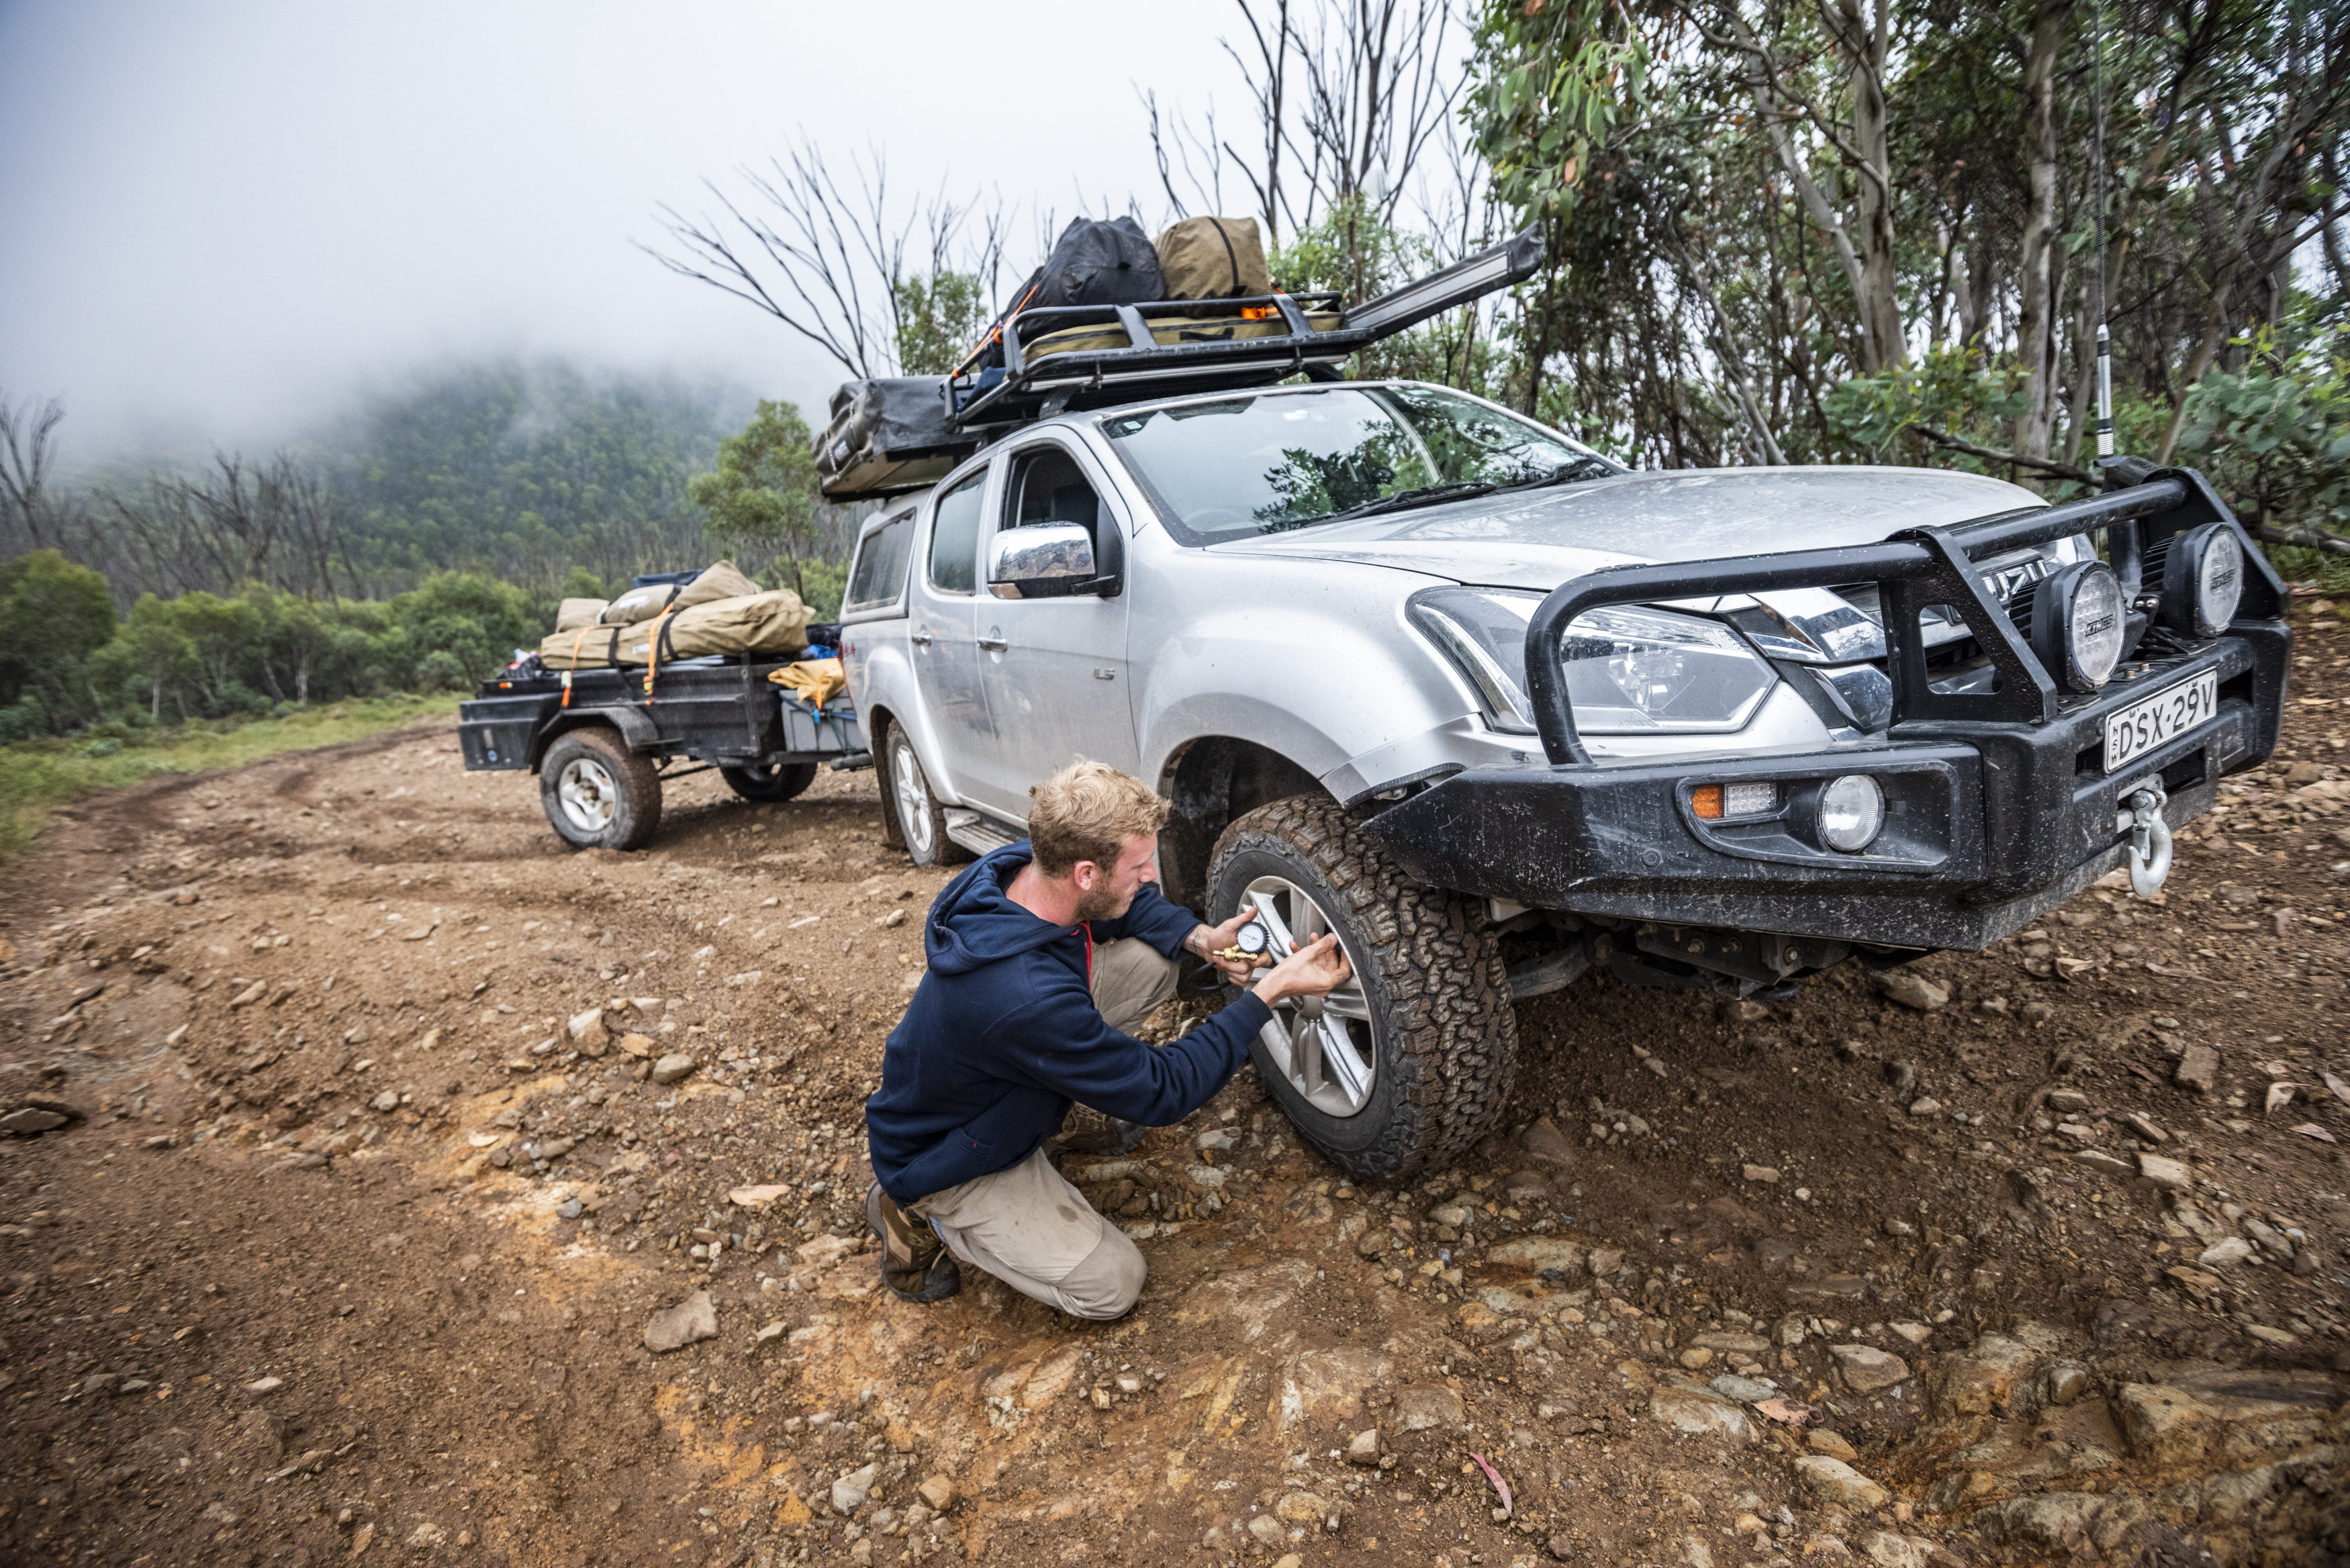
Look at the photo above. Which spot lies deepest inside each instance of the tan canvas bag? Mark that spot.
(1214, 258)
(721, 581)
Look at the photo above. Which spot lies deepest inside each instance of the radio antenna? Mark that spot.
(2104, 341)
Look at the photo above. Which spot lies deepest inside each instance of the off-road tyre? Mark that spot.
(602, 758)
(768, 784)
(921, 820)
(1443, 1028)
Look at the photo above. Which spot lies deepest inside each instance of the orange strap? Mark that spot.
(652, 656)
(575, 643)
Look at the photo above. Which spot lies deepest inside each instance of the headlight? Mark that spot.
(2078, 625)
(1629, 672)
(2203, 579)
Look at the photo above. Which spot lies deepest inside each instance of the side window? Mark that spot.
(1047, 486)
(879, 574)
(954, 536)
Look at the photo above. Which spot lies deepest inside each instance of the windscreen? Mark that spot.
(1261, 464)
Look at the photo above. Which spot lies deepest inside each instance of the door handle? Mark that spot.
(995, 642)
(920, 640)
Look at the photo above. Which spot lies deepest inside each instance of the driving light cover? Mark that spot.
(2203, 579)
(1852, 813)
(1629, 672)
(1713, 802)
(2079, 624)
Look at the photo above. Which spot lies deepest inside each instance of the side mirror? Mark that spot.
(1044, 561)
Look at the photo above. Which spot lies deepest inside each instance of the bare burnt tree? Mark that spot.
(235, 523)
(828, 258)
(28, 450)
(1346, 96)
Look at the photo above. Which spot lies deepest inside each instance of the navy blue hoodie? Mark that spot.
(1002, 1034)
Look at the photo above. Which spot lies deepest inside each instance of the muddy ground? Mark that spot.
(360, 1196)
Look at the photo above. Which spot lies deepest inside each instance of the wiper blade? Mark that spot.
(1426, 495)
(1582, 468)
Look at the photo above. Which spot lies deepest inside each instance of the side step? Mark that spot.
(976, 833)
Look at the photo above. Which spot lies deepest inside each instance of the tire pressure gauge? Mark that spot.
(1251, 944)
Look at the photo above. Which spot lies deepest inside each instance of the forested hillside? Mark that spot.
(525, 471)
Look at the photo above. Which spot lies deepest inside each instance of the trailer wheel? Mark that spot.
(598, 794)
(1408, 1063)
(920, 817)
(768, 782)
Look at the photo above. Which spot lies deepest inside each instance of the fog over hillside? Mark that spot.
(226, 221)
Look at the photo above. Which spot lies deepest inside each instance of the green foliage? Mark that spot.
(938, 319)
(2275, 436)
(763, 490)
(1550, 79)
(53, 616)
(525, 470)
(1954, 387)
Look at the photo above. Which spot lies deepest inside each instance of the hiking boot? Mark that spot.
(915, 1264)
(1086, 1130)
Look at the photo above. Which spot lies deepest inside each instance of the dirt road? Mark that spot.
(382, 1135)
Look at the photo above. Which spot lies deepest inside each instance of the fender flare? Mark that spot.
(637, 731)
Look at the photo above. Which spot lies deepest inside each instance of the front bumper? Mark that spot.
(1989, 825)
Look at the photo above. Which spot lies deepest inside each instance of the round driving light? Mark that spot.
(2203, 579)
(1852, 813)
(2078, 625)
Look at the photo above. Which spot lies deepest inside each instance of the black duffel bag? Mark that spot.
(1098, 262)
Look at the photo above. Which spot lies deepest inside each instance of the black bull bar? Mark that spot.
(2007, 816)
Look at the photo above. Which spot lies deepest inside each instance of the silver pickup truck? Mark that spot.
(1419, 671)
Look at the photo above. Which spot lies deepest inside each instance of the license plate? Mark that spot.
(2160, 719)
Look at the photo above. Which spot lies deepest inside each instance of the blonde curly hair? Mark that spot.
(1086, 811)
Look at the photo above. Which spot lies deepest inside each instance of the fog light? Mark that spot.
(2078, 625)
(1852, 813)
(2203, 579)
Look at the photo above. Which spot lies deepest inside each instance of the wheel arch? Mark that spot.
(636, 732)
(878, 725)
(1209, 783)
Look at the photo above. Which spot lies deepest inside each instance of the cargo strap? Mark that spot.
(653, 652)
(577, 643)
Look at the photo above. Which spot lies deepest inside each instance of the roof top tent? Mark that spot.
(887, 437)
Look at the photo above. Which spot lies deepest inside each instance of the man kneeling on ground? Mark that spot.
(1041, 955)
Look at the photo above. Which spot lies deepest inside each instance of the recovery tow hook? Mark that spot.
(2150, 841)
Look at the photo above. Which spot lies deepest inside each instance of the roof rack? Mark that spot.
(1174, 347)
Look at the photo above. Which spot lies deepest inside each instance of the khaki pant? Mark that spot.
(1028, 1226)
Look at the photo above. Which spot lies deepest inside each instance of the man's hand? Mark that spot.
(1207, 941)
(1316, 969)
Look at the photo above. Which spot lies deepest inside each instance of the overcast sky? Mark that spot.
(220, 218)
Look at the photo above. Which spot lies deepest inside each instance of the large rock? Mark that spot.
(849, 1492)
(2057, 1521)
(1911, 989)
(1833, 1481)
(30, 1119)
(2237, 1417)
(1428, 1406)
(1890, 1551)
(1703, 1413)
(2197, 1069)
(1540, 1255)
(1731, 1343)
(587, 1031)
(2166, 1172)
(1328, 1385)
(691, 1321)
(1984, 1377)
(670, 1069)
(1867, 1369)
(1244, 1303)
(1545, 1142)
